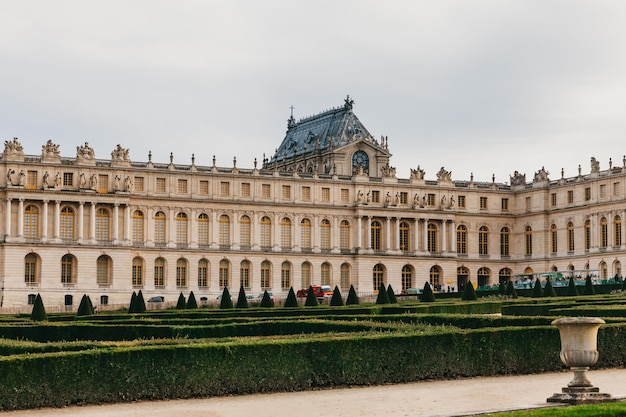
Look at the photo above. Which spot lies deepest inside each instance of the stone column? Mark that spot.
(368, 235)
(116, 213)
(417, 235)
(44, 221)
(444, 240)
(397, 246)
(127, 224)
(57, 220)
(92, 223)
(426, 236)
(453, 237)
(276, 230)
(81, 219)
(20, 218)
(359, 233)
(388, 234)
(7, 219)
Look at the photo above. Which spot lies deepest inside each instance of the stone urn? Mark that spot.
(579, 351)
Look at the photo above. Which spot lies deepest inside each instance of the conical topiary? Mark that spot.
(266, 301)
(510, 290)
(141, 304)
(391, 295)
(572, 291)
(548, 291)
(502, 289)
(311, 299)
(537, 290)
(226, 301)
(469, 293)
(39, 312)
(589, 287)
(336, 300)
(427, 294)
(383, 297)
(292, 300)
(85, 307)
(353, 298)
(242, 300)
(181, 304)
(191, 301)
(133, 303)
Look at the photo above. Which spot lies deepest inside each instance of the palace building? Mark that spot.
(326, 208)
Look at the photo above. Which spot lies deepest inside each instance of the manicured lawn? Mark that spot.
(616, 409)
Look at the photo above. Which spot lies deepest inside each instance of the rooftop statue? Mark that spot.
(541, 175)
(518, 179)
(595, 165)
(85, 152)
(120, 154)
(417, 174)
(444, 175)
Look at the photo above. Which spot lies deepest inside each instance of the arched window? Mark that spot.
(570, 237)
(68, 269)
(483, 240)
(528, 241)
(285, 275)
(244, 232)
(505, 237)
(404, 230)
(344, 279)
(137, 272)
(244, 274)
(360, 161)
(224, 278)
(306, 274)
(181, 228)
(31, 269)
(266, 275)
(203, 273)
(433, 245)
(266, 232)
(31, 222)
(224, 233)
(305, 233)
(325, 274)
(104, 270)
(102, 225)
(378, 276)
(504, 275)
(604, 232)
(617, 268)
(325, 234)
(461, 240)
(67, 223)
(407, 278)
(435, 277)
(617, 227)
(159, 227)
(603, 270)
(159, 272)
(587, 235)
(203, 229)
(462, 276)
(484, 277)
(138, 225)
(344, 235)
(553, 239)
(181, 273)
(376, 235)
(285, 233)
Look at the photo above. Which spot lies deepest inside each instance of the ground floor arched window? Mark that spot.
(435, 278)
(483, 277)
(462, 276)
(407, 278)
(378, 276)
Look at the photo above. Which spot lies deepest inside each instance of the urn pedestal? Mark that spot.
(579, 341)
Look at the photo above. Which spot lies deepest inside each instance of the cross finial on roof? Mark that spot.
(348, 102)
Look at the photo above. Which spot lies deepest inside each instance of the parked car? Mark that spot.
(320, 291)
(156, 299)
(260, 297)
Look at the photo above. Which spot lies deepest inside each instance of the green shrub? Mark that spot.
(39, 312)
(85, 308)
(226, 302)
(181, 304)
(510, 290)
(537, 290)
(548, 291)
(391, 295)
(353, 298)
(133, 303)
(382, 297)
(589, 287)
(242, 300)
(292, 300)
(502, 289)
(191, 302)
(427, 293)
(469, 293)
(336, 300)
(311, 299)
(266, 301)
(572, 291)
(141, 304)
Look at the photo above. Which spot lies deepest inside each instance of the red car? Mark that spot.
(320, 291)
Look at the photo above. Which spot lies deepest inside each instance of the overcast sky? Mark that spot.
(487, 87)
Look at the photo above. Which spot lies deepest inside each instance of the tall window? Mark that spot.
(159, 227)
(266, 232)
(67, 223)
(435, 276)
(137, 272)
(203, 187)
(203, 273)
(285, 275)
(553, 239)
(103, 183)
(67, 269)
(306, 193)
(483, 240)
(306, 274)
(138, 222)
(504, 275)
(139, 184)
(344, 276)
(31, 275)
(305, 233)
(244, 274)
(325, 234)
(244, 231)
(375, 235)
(102, 224)
(404, 236)
(224, 232)
(617, 227)
(103, 271)
(432, 237)
(325, 194)
(266, 275)
(159, 272)
(285, 233)
(505, 235)
(245, 189)
(224, 278)
(587, 235)
(407, 278)
(528, 241)
(604, 231)
(344, 235)
(181, 229)
(31, 180)
(570, 237)
(461, 240)
(325, 274)
(483, 276)
(203, 229)
(378, 276)
(181, 273)
(31, 222)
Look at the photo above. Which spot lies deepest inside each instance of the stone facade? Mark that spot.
(108, 227)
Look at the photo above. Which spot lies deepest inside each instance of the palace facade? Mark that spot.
(326, 208)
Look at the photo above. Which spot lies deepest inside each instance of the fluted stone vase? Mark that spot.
(579, 351)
